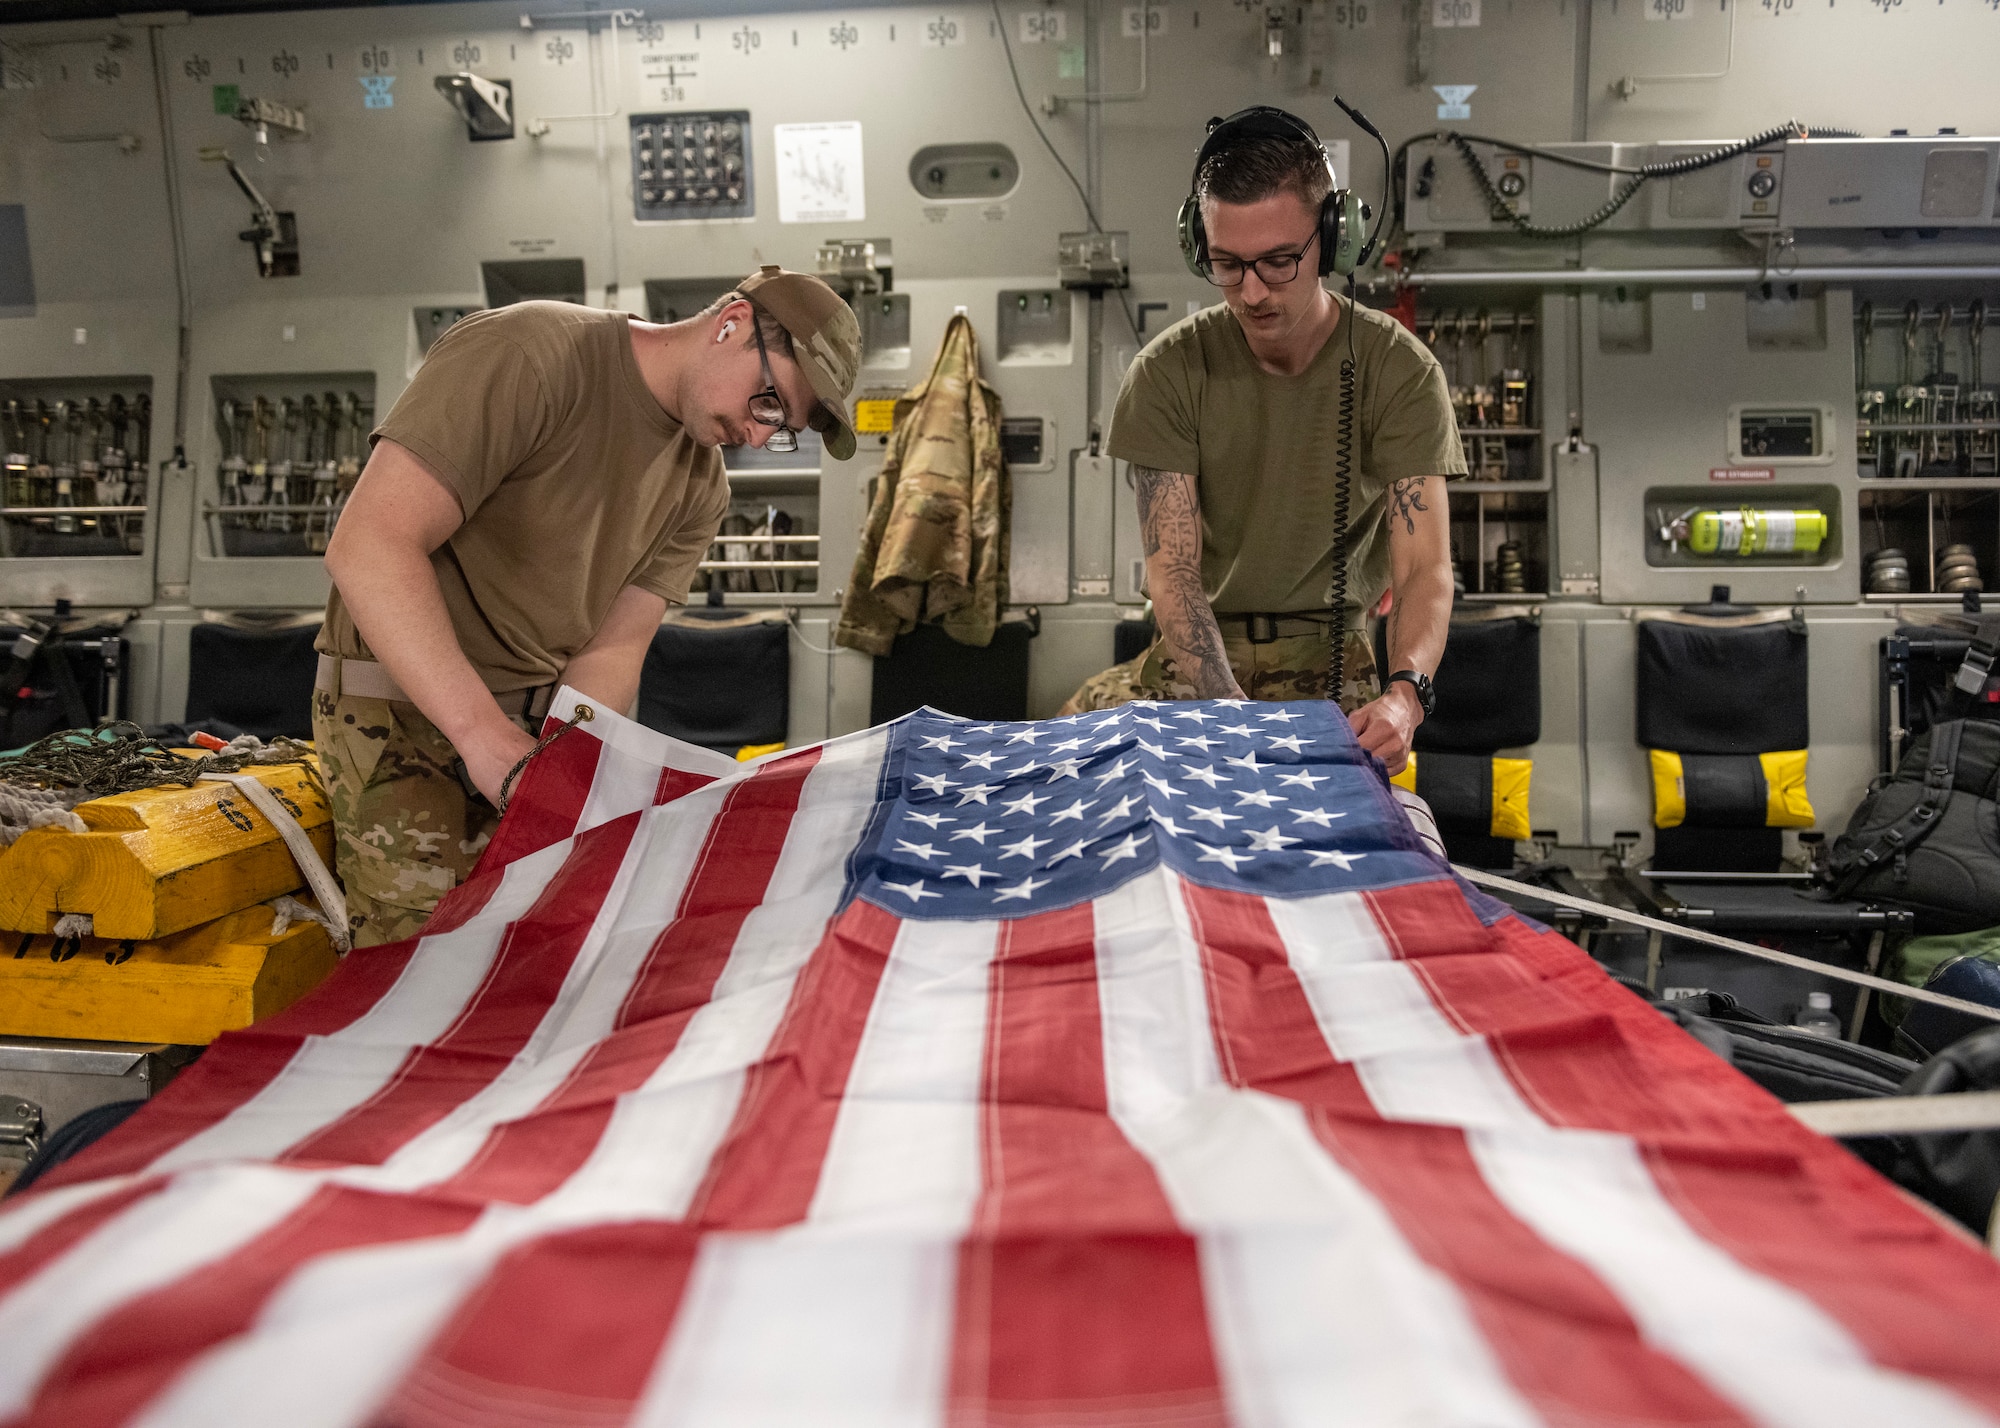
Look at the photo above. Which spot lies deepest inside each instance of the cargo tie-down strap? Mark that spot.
(332, 902)
(1888, 1115)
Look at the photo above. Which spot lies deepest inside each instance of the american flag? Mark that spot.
(1138, 1068)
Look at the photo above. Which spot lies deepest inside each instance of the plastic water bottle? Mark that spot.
(1817, 1016)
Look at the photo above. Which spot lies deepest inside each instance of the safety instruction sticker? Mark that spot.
(819, 173)
(875, 417)
(1742, 473)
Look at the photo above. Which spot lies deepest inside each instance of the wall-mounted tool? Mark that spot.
(275, 235)
(261, 116)
(486, 105)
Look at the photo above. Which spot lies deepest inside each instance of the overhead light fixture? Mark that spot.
(486, 105)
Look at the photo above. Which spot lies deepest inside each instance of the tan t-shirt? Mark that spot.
(573, 481)
(1263, 448)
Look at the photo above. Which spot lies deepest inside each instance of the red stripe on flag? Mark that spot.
(524, 1160)
(1428, 919)
(565, 1330)
(125, 1358)
(1561, 1335)
(1079, 1296)
(548, 799)
(679, 783)
(527, 973)
(56, 1238)
(764, 1174)
(238, 1066)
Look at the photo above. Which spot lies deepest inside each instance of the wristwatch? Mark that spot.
(1427, 695)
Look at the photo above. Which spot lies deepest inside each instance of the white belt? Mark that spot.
(362, 678)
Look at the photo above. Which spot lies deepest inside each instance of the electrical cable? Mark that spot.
(1362, 123)
(1609, 209)
(1083, 196)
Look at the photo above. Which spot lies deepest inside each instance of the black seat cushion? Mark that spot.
(720, 683)
(928, 666)
(1489, 688)
(261, 681)
(1722, 689)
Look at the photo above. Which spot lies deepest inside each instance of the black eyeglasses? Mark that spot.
(1275, 269)
(767, 408)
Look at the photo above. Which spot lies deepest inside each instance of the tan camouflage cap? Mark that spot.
(826, 340)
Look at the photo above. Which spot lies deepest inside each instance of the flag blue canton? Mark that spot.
(1007, 819)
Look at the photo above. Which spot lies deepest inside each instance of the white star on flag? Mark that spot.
(1171, 826)
(1024, 736)
(1316, 815)
(1075, 810)
(1026, 804)
(1066, 746)
(1268, 840)
(984, 760)
(976, 793)
(934, 783)
(1262, 798)
(1074, 850)
(1128, 849)
(931, 820)
(1199, 741)
(1154, 749)
(918, 850)
(1244, 729)
(1118, 810)
(1303, 778)
(1287, 741)
(1064, 768)
(1212, 815)
(1166, 790)
(1343, 861)
(1206, 774)
(979, 833)
(1024, 890)
(1200, 716)
(1116, 771)
(1279, 716)
(1248, 761)
(913, 890)
(1228, 857)
(1023, 849)
(942, 741)
(971, 872)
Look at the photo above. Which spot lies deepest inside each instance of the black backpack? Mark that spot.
(1927, 837)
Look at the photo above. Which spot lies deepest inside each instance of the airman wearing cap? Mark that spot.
(544, 488)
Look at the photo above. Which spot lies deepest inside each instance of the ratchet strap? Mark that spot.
(1714, 939)
(1902, 1115)
(332, 901)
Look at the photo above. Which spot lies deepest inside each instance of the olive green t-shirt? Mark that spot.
(1263, 449)
(574, 484)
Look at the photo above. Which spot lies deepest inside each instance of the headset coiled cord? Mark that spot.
(1343, 484)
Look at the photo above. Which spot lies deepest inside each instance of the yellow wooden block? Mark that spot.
(185, 990)
(162, 860)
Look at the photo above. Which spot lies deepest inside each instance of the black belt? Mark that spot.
(1262, 629)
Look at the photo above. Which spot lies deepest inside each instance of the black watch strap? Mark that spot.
(1426, 691)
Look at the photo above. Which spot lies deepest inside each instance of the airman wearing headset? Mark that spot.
(1272, 525)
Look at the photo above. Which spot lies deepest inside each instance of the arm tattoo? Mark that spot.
(1170, 528)
(1408, 494)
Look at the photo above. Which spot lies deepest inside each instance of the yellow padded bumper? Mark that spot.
(184, 990)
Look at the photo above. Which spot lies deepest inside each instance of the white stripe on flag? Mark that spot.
(662, 1137)
(1323, 1315)
(1760, 1342)
(21, 1220)
(802, 1329)
(334, 1339)
(630, 759)
(199, 1219)
(1376, 1013)
(904, 1157)
(330, 1075)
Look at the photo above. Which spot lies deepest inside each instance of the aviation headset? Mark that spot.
(1343, 219)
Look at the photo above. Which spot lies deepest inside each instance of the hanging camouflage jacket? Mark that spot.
(934, 548)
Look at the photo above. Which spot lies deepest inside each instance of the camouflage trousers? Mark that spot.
(1289, 667)
(405, 830)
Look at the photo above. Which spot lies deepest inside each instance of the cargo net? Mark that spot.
(43, 783)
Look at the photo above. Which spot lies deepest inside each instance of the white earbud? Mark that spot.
(727, 328)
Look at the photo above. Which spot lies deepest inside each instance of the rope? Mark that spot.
(120, 757)
(1696, 934)
(1902, 1115)
(583, 715)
